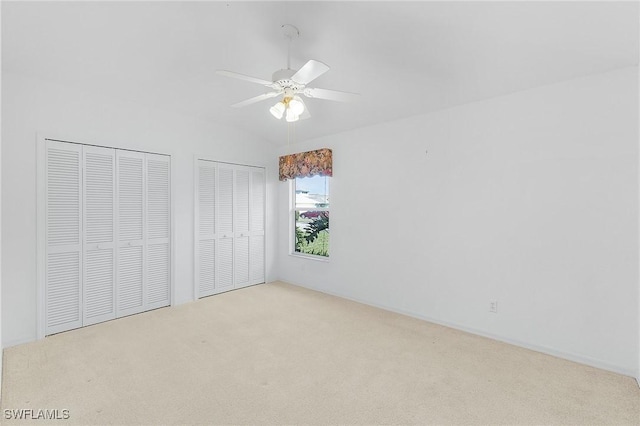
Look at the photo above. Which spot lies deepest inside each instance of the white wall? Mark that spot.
(30, 106)
(529, 199)
(1, 347)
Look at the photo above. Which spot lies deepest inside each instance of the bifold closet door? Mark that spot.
(241, 219)
(205, 271)
(98, 234)
(224, 232)
(107, 234)
(131, 230)
(157, 288)
(63, 237)
(229, 238)
(143, 276)
(256, 239)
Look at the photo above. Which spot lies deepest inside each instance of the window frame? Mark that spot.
(292, 224)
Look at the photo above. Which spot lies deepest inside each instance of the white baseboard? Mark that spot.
(18, 342)
(1, 369)
(543, 349)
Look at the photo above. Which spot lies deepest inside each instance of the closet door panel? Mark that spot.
(206, 267)
(241, 261)
(63, 292)
(257, 201)
(99, 294)
(256, 256)
(257, 242)
(63, 236)
(98, 234)
(225, 201)
(224, 233)
(158, 276)
(241, 208)
(130, 278)
(241, 221)
(158, 178)
(224, 262)
(205, 248)
(157, 292)
(130, 182)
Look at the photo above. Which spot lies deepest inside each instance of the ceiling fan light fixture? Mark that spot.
(291, 116)
(277, 110)
(296, 105)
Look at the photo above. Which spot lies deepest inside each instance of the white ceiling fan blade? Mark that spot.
(244, 77)
(332, 95)
(255, 99)
(309, 72)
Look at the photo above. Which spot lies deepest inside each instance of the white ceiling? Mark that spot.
(404, 58)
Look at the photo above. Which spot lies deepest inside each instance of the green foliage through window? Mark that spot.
(311, 215)
(312, 233)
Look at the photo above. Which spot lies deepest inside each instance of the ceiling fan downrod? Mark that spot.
(291, 32)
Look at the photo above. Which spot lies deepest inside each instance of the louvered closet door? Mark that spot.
(224, 222)
(131, 215)
(157, 289)
(63, 236)
(241, 222)
(205, 248)
(98, 234)
(256, 239)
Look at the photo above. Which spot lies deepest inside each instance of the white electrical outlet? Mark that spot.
(493, 306)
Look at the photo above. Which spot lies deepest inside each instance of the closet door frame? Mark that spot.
(196, 236)
(41, 185)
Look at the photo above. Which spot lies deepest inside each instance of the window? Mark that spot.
(311, 215)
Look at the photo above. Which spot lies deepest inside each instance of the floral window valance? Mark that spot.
(306, 164)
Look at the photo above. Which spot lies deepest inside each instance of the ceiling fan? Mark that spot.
(290, 84)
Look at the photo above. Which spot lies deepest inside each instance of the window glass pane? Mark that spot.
(312, 232)
(311, 218)
(312, 192)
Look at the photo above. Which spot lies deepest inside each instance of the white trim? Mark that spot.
(315, 257)
(40, 234)
(230, 163)
(538, 348)
(292, 222)
(18, 342)
(172, 229)
(196, 226)
(638, 257)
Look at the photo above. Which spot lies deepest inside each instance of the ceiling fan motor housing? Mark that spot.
(283, 79)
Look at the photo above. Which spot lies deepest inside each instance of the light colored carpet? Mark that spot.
(276, 353)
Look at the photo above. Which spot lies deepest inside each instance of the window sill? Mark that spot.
(310, 257)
